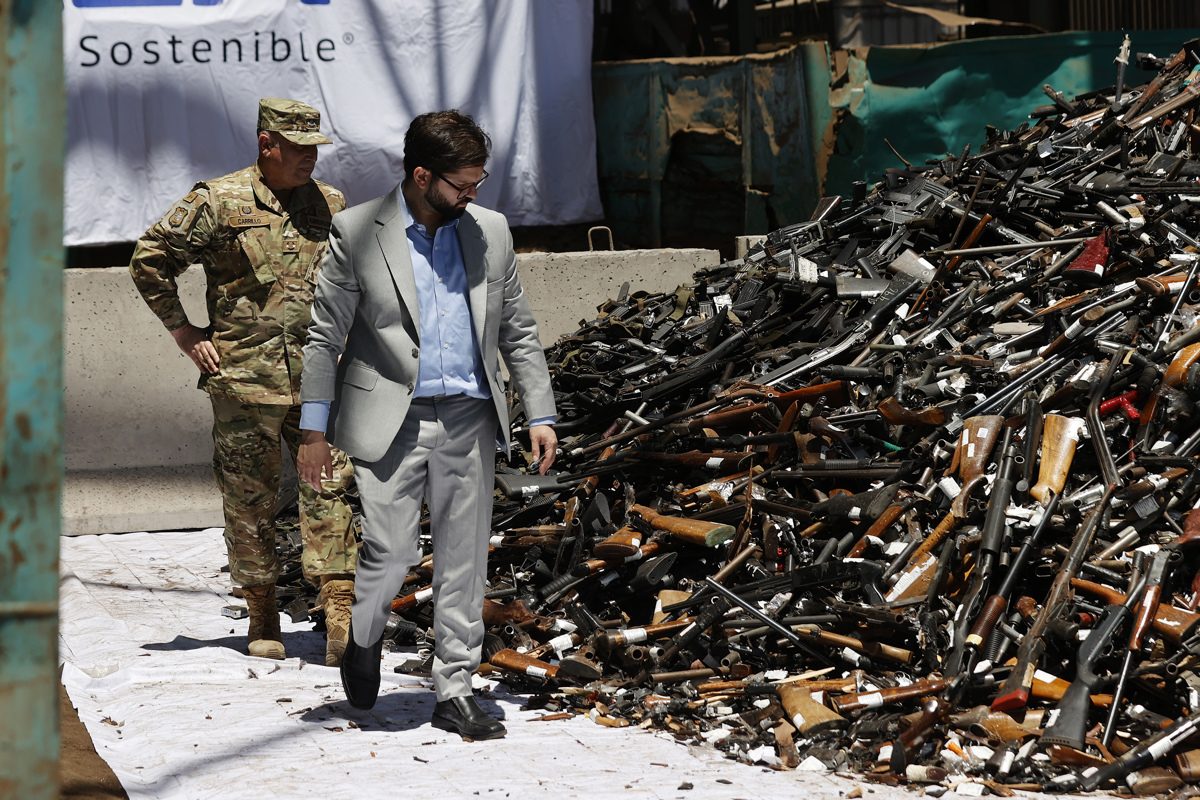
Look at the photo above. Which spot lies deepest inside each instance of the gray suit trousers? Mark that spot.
(444, 455)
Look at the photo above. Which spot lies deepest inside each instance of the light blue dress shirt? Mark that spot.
(450, 362)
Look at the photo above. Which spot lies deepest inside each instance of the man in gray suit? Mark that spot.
(417, 298)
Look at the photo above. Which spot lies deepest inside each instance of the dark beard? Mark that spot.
(447, 211)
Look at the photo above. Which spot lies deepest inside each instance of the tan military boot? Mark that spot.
(337, 593)
(264, 636)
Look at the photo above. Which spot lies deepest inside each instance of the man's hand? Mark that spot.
(195, 344)
(315, 457)
(544, 443)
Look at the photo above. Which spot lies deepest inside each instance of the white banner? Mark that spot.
(163, 93)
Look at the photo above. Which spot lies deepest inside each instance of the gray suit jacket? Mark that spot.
(365, 311)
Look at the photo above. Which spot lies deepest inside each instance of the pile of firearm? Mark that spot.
(908, 491)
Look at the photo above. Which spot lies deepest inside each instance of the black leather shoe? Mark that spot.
(462, 715)
(360, 672)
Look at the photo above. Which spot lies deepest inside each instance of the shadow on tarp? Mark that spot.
(401, 708)
(406, 708)
(307, 645)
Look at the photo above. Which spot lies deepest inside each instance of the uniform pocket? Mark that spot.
(263, 253)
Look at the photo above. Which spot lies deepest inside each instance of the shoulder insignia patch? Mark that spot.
(249, 220)
(191, 198)
(178, 217)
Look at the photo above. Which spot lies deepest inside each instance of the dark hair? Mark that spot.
(445, 141)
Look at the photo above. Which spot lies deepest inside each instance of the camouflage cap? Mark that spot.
(295, 121)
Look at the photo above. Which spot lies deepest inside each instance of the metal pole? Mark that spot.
(33, 124)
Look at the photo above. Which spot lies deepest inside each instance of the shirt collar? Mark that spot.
(301, 198)
(410, 221)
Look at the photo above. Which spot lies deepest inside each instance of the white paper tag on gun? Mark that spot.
(803, 270)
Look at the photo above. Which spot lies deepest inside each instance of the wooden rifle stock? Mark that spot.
(523, 664)
(1060, 436)
(607, 642)
(835, 392)
(695, 531)
(895, 694)
(873, 649)
(995, 724)
(975, 445)
(411, 601)
(1173, 623)
(891, 410)
(807, 714)
(915, 579)
(622, 544)
(786, 424)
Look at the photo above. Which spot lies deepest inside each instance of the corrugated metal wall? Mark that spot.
(1133, 15)
(692, 152)
(860, 23)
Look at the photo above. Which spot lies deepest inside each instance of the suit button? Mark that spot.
(410, 388)
(416, 353)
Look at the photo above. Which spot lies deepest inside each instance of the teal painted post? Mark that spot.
(33, 124)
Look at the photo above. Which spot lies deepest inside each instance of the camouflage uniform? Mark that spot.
(261, 262)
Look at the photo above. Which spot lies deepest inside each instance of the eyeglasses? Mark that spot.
(464, 190)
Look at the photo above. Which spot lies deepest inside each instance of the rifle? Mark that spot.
(610, 641)
(754, 611)
(1153, 591)
(898, 288)
(989, 553)
(970, 456)
(1175, 624)
(622, 544)
(697, 532)
(1015, 691)
(873, 649)
(1069, 724)
(858, 701)
(834, 392)
(1104, 455)
(995, 605)
(1144, 754)
(523, 664)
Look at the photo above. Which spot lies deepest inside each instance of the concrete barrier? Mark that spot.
(742, 244)
(137, 433)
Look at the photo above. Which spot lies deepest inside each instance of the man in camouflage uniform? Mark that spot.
(260, 234)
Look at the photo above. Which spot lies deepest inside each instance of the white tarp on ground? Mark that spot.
(176, 710)
(163, 93)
